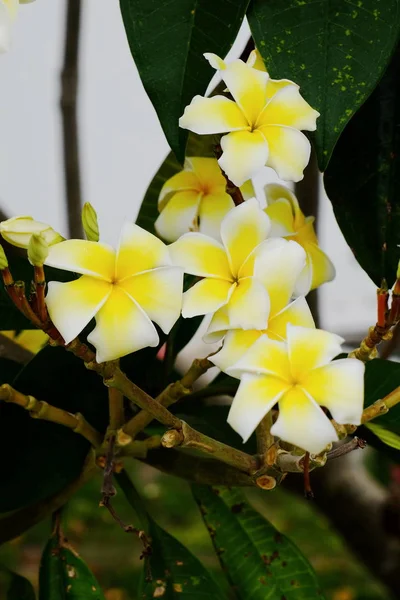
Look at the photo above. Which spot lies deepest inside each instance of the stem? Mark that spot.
(116, 409)
(39, 409)
(264, 438)
(231, 189)
(381, 407)
(307, 484)
(186, 437)
(68, 104)
(40, 287)
(353, 444)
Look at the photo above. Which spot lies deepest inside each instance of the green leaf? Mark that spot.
(334, 49)
(45, 457)
(9, 369)
(381, 378)
(64, 575)
(363, 179)
(260, 562)
(18, 587)
(387, 437)
(167, 40)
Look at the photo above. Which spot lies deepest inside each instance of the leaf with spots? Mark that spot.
(64, 575)
(167, 40)
(261, 563)
(363, 179)
(336, 50)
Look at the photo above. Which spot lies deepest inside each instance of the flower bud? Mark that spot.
(18, 231)
(398, 271)
(38, 250)
(90, 223)
(3, 259)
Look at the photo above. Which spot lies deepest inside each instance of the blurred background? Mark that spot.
(121, 147)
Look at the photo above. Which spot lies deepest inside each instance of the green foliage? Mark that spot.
(387, 437)
(64, 575)
(18, 587)
(363, 180)
(335, 50)
(167, 41)
(9, 369)
(259, 561)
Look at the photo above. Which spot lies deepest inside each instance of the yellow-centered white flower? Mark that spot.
(233, 272)
(125, 290)
(18, 231)
(262, 122)
(278, 267)
(8, 13)
(300, 376)
(288, 221)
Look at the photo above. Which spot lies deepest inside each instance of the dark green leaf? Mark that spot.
(336, 50)
(260, 562)
(18, 588)
(44, 457)
(167, 41)
(363, 179)
(64, 575)
(387, 437)
(9, 369)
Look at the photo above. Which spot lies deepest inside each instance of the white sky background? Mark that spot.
(122, 143)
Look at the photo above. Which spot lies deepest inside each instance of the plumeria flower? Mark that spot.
(262, 122)
(298, 375)
(194, 199)
(285, 261)
(18, 231)
(8, 12)
(125, 290)
(232, 277)
(288, 221)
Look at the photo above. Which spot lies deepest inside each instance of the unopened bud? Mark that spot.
(398, 271)
(38, 250)
(90, 223)
(18, 231)
(3, 259)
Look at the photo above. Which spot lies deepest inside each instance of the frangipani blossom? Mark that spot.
(194, 199)
(228, 269)
(18, 231)
(262, 123)
(125, 290)
(285, 262)
(8, 13)
(298, 375)
(288, 221)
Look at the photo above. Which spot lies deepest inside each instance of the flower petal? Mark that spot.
(340, 387)
(159, 294)
(275, 85)
(72, 305)
(139, 251)
(289, 151)
(322, 267)
(212, 115)
(255, 397)
(86, 258)
(206, 296)
(278, 265)
(213, 209)
(179, 215)
(184, 180)
(296, 313)
(218, 326)
(242, 230)
(303, 423)
(207, 172)
(275, 192)
(287, 107)
(122, 327)
(248, 307)
(303, 283)
(281, 215)
(310, 348)
(244, 154)
(236, 344)
(200, 255)
(248, 88)
(265, 356)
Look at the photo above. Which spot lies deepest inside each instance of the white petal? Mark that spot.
(200, 255)
(289, 151)
(236, 344)
(248, 87)
(310, 348)
(122, 327)
(296, 313)
(206, 296)
(303, 423)
(212, 115)
(179, 215)
(245, 153)
(255, 397)
(184, 180)
(86, 258)
(139, 251)
(213, 209)
(288, 107)
(72, 305)
(265, 356)
(217, 327)
(248, 307)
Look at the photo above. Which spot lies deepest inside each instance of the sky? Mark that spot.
(121, 142)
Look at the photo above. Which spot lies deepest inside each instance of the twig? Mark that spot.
(68, 104)
(353, 444)
(264, 438)
(231, 189)
(381, 407)
(40, 287)
(116, 408)
(308, 493)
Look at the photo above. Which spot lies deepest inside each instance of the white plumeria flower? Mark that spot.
(232, 277)
(288, 221)
(278, 268)
(300, 377)
(262, 123)
(19, 230)
(125, 290)
(8, 12)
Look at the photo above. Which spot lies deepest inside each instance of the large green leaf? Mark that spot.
(336, 50)
(64, 575)
(167, 40)
(363, 179)
(260, 562)
(15, 587)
